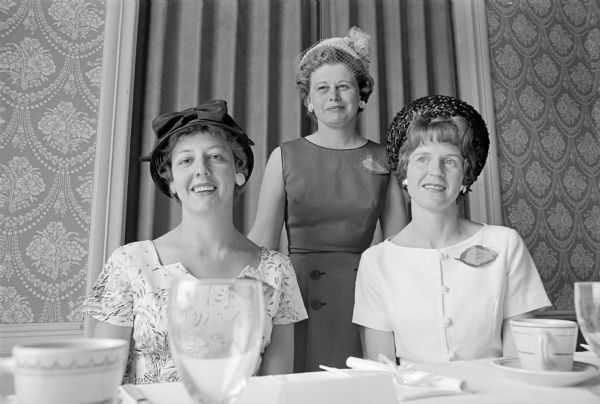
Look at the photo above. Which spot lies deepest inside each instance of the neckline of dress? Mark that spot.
(329, 148)
(449, 247)
(179, 264)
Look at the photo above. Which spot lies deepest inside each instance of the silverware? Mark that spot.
(136, 393)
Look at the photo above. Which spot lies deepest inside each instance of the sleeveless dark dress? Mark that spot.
(333, 201)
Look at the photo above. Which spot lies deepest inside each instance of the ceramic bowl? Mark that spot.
(73, 371)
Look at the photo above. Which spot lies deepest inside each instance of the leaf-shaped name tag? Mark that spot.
(477, 256)
(374, 167)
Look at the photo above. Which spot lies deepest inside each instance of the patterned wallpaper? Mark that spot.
(545, 57)
(50, 65)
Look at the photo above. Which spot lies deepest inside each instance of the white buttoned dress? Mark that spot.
(440, 308)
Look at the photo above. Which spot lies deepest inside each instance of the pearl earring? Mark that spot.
(463, 189)
(362, 104)
(310, 108)
(405, 183)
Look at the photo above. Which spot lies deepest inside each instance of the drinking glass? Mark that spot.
(215, 335)
(587, 307)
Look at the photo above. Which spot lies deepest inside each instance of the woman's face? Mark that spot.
(203, 171)
(435, 173)
(334, 95)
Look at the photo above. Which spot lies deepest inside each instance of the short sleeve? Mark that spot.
(369, 305)
(111, 298)
(524, 291)
(291, 307)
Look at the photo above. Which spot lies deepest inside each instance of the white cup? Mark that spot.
(72, 371)
(545, 344)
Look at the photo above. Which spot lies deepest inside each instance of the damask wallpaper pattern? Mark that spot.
(50, 70)
(545, 65)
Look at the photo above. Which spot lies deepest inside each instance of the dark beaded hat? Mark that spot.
(435, 106)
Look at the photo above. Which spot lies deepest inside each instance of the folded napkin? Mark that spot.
(410, 382)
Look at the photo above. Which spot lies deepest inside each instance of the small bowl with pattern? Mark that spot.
(70, 371)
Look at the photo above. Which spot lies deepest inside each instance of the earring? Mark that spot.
(310, 108)
(362, 104)
(463, 189)
(240, 179)
(405, 183)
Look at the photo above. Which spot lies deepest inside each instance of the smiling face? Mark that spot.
(435, 173)
(334, 95)
(203, 171)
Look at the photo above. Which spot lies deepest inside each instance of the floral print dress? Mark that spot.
(132, 289)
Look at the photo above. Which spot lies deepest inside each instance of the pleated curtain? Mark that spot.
(245, 51)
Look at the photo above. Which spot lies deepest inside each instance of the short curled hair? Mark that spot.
(239, 155)
(330, 55)
(453, 130)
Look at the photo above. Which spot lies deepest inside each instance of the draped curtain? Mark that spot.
(245, 52)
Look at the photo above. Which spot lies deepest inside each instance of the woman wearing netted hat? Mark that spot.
(444, 287)
(201, 158)
(329, 189)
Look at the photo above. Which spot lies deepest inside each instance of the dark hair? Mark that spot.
(165, 153)
(451, 129)
(330, 55)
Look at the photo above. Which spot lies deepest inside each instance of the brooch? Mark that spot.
(477, 256)
(373, 167)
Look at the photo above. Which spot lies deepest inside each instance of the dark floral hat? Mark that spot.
(435, 106)
(212, 113)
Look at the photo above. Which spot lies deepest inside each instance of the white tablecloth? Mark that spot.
(490, 385)
(487, 384)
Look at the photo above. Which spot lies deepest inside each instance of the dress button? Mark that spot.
(445, 289)
(447, 321)
(315, 274)
(316, 304)
(443, 256)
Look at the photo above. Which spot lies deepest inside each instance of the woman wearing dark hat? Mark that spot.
(330, 188)
(201, 158)
(444, 287)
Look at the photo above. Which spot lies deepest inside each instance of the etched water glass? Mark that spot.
(215, 335)
(587, 307)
